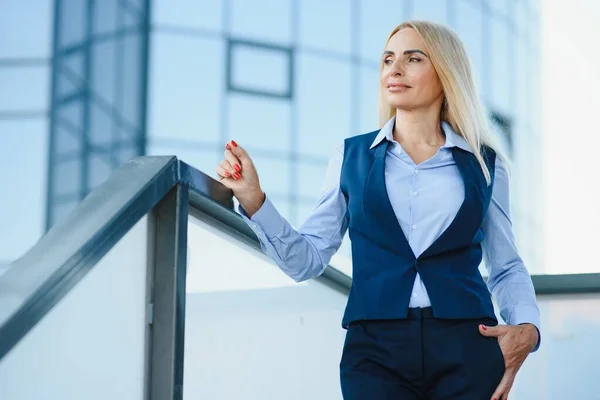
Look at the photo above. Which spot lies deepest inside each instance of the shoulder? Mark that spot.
(360, 141)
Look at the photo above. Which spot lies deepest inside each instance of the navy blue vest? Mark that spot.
(384, 265)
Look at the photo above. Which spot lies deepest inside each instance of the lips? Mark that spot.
(397, 85)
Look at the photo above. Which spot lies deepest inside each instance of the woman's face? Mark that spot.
(408, 79)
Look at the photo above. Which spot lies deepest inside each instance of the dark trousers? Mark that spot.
(420, 358)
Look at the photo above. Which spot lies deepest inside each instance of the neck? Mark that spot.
(418, 127)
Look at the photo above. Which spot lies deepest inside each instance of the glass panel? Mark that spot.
(275, 175)
(23, 169)
(89, 324)
(323, 120)
(101, 126)
(189, 13)
(73, 22)
(326, 25)
(24, 88)
(376, 23)
(66, 86)
(431, 10)
(311, 179)
(71, 114)
(131, 78)
(67, 140)
(103, 70)
(522, 20)
(268, 20)
(260, 123)
(186, 104)
(105, 16)
(31, 23)
(260, 69)
(72, 65)
(566, 365)
(282, 324)
(501, 8)
(200, 158)
(67, 176)
(369, 89)
(469, 26)
(522, 65)
(61, 209)
(124, 154)
(99, 170)
(502, 67)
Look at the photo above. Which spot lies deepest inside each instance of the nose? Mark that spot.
(396, 70)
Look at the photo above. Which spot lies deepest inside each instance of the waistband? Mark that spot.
(420, 313)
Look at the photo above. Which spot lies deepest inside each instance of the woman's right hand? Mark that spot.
(237, 172)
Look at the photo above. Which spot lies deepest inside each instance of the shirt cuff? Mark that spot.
(266, 220)
(528, 314)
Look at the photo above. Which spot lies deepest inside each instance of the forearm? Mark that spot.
(301, 254)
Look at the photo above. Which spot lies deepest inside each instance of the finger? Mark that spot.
(222, 172)
(233, 160)
(229, 168)
(486, 330)
(504, 386)
(238, 151)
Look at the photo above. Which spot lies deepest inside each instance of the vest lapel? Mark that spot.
(377, 203)
(468, 218)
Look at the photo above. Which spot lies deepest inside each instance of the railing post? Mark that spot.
(167, 296)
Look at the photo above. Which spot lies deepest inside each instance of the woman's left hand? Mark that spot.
(516, 342)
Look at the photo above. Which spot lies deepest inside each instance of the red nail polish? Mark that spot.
(485, 329)
(227, 146)
(227, 174)
(237, 176)
(234, 143)
(237, 168)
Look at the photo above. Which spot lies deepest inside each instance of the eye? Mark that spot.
(414, 59)
(387, 60)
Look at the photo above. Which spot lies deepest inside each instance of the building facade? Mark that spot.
(287, 79)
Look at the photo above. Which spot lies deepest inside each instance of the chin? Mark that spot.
(400, 101)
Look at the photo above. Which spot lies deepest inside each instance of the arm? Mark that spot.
(304, 253)
(509, 281)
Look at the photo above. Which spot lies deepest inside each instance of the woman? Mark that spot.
(424, 199)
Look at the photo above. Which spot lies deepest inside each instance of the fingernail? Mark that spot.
(234, 143)
(227, 146)
(237, 176)
(485, 329)
(227, 174)
(237, 167)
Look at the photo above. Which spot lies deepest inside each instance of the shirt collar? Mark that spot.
(453, 139)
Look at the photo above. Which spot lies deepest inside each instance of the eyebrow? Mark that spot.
(406, 52)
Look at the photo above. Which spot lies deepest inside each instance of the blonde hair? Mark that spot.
(462, 107)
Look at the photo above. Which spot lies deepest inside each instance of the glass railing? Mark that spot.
(155, 288)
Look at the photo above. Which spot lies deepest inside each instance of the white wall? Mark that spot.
(91, 345)
(252, 332)
(566, 365)
(571, 83)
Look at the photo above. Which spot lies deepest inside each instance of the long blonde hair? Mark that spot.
(462, 107)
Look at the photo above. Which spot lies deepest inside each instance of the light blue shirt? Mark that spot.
(425, 199)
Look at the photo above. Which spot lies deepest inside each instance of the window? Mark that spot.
(269, 21)
(469, 26)
(376, 23)
(260, 69)
(431, 10)
(186, 88)
(324, 99)
(24, 88)
(260, 123)
(325, 25)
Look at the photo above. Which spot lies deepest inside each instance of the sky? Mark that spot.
(571, 103)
